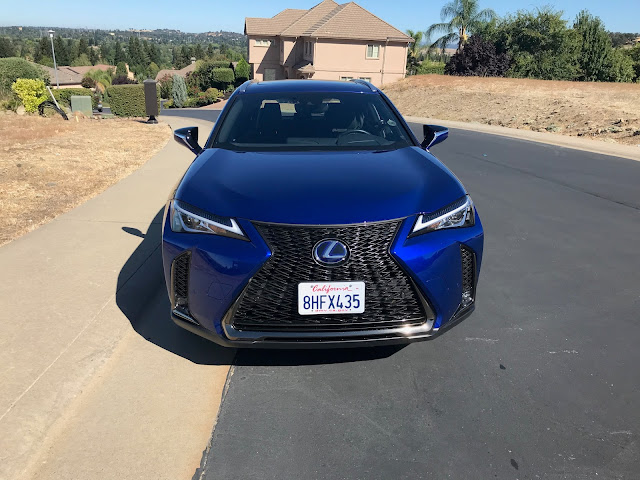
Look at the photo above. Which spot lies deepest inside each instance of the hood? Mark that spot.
(319, 187)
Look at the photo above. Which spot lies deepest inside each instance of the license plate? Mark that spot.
(321, 298)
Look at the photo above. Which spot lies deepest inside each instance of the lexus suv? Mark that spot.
(313, 217)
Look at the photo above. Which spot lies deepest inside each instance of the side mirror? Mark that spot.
(188, 136)
(433, 134)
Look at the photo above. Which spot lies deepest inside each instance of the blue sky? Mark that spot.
(207, 15)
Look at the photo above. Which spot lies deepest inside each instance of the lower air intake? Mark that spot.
(180, 281)
(468, 276)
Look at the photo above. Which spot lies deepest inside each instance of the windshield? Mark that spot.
(311, 121)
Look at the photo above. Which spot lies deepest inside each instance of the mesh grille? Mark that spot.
(468, 273)
(181, 276)
(270, 301)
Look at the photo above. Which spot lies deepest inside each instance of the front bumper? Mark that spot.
(221, 269)
(398, 336)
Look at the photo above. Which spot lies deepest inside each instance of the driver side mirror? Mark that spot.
(433, 134)
(188, 136)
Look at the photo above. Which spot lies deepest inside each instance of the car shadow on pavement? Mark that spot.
(141, 295)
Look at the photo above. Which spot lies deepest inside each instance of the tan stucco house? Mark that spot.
(327, 42)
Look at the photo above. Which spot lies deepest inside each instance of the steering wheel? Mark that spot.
(355, 130)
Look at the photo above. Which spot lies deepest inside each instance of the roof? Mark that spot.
(72, 75)
(182, 72)
(327, 19)
(288, 86)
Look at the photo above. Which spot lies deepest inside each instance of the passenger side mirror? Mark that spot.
(433, 134)
(188, 136)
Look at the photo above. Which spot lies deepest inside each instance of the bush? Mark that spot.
(427, 67)
(128, 100)
(100, 76)
(123, 80)
(12, 69)
(31, 92)
(63, 95)
(220, 63)
(179, 91)
(88, 82)
(221, 78)
(242, 71)
(213, 94)
(478, 59)
(121, 70)
(166, 86)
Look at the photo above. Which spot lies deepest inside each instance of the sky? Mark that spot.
(197, 16)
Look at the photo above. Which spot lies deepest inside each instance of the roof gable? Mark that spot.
(327, 19)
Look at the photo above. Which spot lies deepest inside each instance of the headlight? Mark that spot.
(458, 214)
(189, 219)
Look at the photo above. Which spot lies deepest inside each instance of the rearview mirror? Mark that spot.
(433, 134)
(188, 136)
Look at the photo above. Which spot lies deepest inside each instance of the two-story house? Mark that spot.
(327, 42)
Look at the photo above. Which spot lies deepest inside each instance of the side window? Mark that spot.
(346, 79)
(373, 51)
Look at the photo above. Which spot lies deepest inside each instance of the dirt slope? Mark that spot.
(603, 111)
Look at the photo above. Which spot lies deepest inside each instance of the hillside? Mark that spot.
(603, 111)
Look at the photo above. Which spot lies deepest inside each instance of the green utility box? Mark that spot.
(81, 103)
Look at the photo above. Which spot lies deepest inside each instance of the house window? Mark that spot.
(307, 48)
(373, 51)
(346, 79)
(262, 42)
(269, 74)
(366, 79)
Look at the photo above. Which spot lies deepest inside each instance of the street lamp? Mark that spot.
(53, 52)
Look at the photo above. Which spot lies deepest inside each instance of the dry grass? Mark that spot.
(604, 111)
(49, 166)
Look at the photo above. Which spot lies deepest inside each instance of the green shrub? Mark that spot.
(212, 94)
(166, 86)
(121, 69)
(222, 77)
(128, 100)
(179, 91)
(31, 92)
(12, 69)
(427, 67)
(242, 71)
(63, 95)
(100, 76)
(220, 63)
(88, 82)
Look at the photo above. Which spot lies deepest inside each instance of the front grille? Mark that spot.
(270, 300)
(180, 279)
(468, 276)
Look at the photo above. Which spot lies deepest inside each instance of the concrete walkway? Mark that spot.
(96, 380)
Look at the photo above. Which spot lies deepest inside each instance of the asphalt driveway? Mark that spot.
(541, 382)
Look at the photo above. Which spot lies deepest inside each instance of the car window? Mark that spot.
(311, 121)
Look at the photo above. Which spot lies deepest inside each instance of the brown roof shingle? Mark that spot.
(326, 20)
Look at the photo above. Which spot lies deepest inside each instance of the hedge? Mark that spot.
(63, 95)
(220, 63)
(128, 100)
(14, 68)
(431, 67)
(222, 77)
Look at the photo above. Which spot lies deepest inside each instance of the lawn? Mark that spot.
(602, 111)
(48, 165)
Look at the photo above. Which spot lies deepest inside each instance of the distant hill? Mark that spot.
(161, 36)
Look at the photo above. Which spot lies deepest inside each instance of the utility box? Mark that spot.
(151, 99)
(81, 103)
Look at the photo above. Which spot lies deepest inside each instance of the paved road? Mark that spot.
(541, 382)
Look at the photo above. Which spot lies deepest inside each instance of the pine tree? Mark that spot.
(179, 91)
(210, 50)
(83, 46)
(118, 55)
(62, 54)
(198, 52)
(93, 56)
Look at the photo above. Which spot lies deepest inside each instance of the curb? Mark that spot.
(576, 143)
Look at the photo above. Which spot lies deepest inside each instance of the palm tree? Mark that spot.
(413, 51)
(464, 17)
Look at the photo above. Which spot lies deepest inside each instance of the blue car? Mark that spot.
(313, 217)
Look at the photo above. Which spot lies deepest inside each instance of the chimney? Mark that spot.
(193, 60)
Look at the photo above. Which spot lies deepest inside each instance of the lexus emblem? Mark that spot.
(331, 253)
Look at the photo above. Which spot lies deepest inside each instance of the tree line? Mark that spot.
(528, 44)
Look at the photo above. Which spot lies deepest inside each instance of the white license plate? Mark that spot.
(321, 298)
